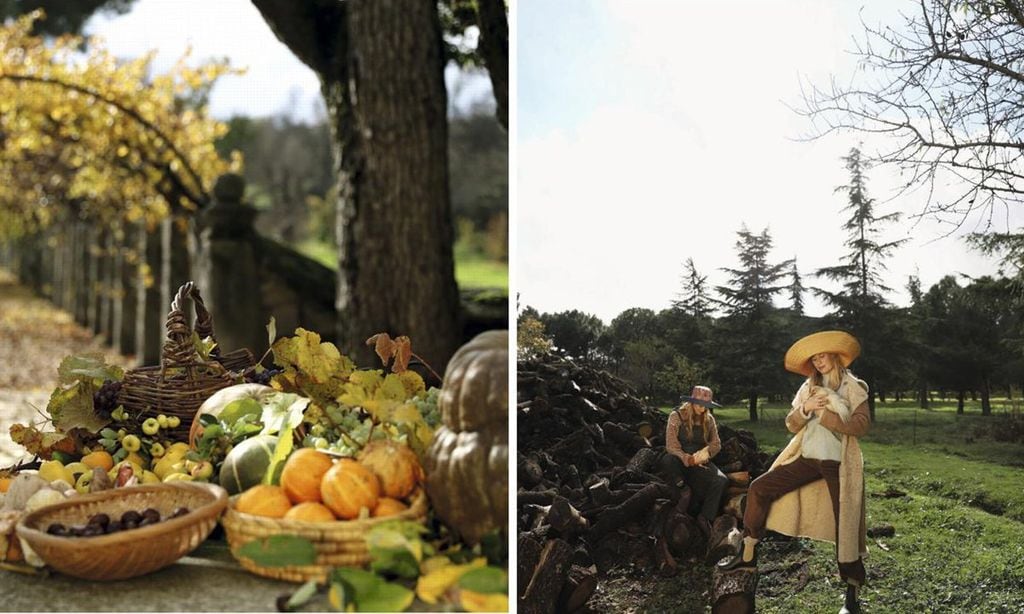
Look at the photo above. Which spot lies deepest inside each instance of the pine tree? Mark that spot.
(859, 305)
(750, 341)
(693, 299)
(796, 290)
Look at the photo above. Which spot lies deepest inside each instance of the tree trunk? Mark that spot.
(752, 407)
(925, 396)
(493, 22)
(986, 397)
(871, 405)
(381, 72)
(960, 402)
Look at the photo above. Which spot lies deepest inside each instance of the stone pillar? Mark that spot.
(127, 290)
(150, 315)
(106, 290)
(176, 266)
(81, 273)
(92, 283)
(227, 268)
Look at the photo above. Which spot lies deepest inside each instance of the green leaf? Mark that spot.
(281, 452)
(203, 346)
(208, 419)
(72, 407)
(397, 561)
(371, 593)
(242, 407)
(279, 551)
(87, 367)
(300, 597)
(485, 580)
(280, 408)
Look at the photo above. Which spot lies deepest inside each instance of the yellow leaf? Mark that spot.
(413, 383)
(483, 602)
(392, 389)
(431, 586)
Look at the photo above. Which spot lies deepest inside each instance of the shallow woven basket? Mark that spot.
(128, 553)
(182, 381)
(341, 543)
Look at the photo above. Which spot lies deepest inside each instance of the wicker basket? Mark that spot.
(182, 381)
(128, 553)
(341, 543)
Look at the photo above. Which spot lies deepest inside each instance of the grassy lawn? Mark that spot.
(471, 270)
(959, 542)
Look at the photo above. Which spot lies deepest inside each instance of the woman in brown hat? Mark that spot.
(691, 441)
(815, 488)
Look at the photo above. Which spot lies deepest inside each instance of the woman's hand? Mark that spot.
(815, 405)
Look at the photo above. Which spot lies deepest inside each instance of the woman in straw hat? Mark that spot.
(691, 441)
(815, 488)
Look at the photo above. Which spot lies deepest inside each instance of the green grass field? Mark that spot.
(959, 542)
(471, 270)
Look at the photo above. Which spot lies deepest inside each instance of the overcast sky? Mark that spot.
(275, 81)
(649, 132)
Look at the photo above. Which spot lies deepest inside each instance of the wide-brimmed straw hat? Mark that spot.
(700, 395)
(843, 344)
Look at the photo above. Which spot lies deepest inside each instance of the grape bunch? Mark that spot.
(104, 400)
(263, 377)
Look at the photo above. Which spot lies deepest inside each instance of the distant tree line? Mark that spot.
(961, 337)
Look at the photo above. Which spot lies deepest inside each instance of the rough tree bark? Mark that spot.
(380, 66)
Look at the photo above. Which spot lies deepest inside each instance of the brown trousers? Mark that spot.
(785, 478)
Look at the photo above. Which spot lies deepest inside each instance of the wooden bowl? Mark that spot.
(127, 553)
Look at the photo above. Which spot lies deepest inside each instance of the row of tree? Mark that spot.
(954, 337)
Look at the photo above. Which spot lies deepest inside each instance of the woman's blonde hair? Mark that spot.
(690, 418)
(833, 377)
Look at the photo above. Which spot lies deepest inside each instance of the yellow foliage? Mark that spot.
(101, 130)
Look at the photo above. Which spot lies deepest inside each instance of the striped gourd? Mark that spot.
(246, 463)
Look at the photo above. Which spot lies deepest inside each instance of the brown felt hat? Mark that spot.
(798, 356)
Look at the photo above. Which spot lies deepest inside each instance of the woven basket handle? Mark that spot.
(178, 349)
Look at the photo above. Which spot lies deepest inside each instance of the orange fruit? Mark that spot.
(264, 500)
(302, 474)
(348, 487)
(388, 507)
(5, 483)
(395, 464)
(99, 458)
(310, 511)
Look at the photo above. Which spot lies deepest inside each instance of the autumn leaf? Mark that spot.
(89, 367)
(71, 407)
(40, 443)
(383, 346)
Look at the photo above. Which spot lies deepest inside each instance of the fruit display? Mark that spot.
(467, 464)
(314, 487)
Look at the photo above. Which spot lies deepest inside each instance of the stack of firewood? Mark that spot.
(590, 495)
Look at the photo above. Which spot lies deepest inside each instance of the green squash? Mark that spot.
(246, 463)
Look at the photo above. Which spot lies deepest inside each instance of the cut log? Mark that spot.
(599, 492)
(529, 472)
(734, 506)
(739, 478)
(536, 497)
(732, 592)
(724, 540)
(635, 507)
(547, 578)
(564, 518)
(623, 436)
(683, 535)
(732, 490)
(643, 460)
(527, 556)
(579, 586)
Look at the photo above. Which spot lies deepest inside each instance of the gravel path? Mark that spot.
(34, 337)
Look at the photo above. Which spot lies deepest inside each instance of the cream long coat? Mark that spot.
(807, 511)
